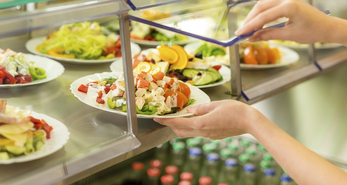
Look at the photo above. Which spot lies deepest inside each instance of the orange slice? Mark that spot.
(183, 58)
(168, 54)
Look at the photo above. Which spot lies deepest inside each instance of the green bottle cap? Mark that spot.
(265, 164)
(192, 142)
(245, 143)
(209, 147)
(250, 151)
(261, 147)
(175, 140)
(201, 139)
(225, 152)
(268, 157)
(244, 158)
(228, 139)
(216, 142)
(179, 146)
(233, 147)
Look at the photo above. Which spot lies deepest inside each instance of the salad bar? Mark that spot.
(71, 89)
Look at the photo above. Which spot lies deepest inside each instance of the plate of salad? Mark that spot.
(174, 62)
(258, 55)
(156, 95)
(19, 69)
(27, 135)
(83, 42)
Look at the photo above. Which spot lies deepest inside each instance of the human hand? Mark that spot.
(215, 120)
(306, 24)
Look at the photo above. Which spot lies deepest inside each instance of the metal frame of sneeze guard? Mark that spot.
(139, 5)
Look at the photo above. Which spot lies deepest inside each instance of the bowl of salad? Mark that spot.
(256, 55)
(19, 69)
(26, 135)
(156, 95)
(84, 42)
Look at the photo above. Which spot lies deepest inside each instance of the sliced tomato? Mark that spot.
(83, 88)
(217, 67)
(100, 100)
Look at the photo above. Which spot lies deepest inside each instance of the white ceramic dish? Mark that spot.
(53, 70)
(294, 45)
(199, 96)
(32, 43)
(117, 66)
(289, 56)
(59, 137)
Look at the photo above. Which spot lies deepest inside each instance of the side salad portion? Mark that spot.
(174, 62)
(140, 31)
(84, 40)
(155, 93)
(257, 53)
(20, 133)
(16, 68)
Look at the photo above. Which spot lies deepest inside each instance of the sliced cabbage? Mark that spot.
(84, 40)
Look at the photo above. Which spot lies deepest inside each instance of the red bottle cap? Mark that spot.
(137, 165)
(168, 179)
(184, 183)
(153, 172)
(186, 176)
(171, 169)
(156, 163)
(205, 180)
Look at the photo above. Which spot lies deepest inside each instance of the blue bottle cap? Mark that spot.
(213, 157)
(286, 178)
(249, 168)
(269, 172)
(195, 151)
(231, 162)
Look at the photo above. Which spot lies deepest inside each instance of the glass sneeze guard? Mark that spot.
(53, 16)
(141, 4)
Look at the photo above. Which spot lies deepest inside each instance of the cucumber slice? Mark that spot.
(216, 73)
(190, 72)
(205, 78)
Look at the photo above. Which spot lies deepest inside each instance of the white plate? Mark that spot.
(32, 43)
(59, 137)
(289, 56)
(158, 43)
(53, 70)
(200, 96)
(294, 45)
(117, 66)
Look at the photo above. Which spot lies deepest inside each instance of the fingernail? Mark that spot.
(190, 108)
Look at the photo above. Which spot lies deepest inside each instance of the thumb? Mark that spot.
(200, 109)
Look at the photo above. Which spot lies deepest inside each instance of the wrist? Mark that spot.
(337, 31)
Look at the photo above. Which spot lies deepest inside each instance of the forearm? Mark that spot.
(338, 33)
(303, 165)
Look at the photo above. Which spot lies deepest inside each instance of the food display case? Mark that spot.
(99, 139)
